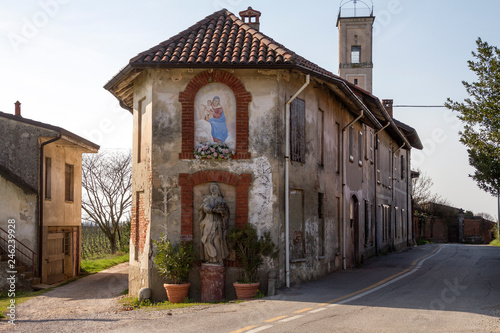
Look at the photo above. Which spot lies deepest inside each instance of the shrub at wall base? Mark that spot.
(174, 262)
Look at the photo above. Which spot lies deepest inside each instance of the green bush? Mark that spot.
(174, 261)
(251, 250)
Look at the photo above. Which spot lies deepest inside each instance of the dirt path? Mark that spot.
(93, 296)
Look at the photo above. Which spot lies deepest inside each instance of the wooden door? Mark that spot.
(55, 257)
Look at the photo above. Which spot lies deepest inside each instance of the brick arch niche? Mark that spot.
(243, 98)
(187, 182)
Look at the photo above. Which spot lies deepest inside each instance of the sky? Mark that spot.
(56, 56)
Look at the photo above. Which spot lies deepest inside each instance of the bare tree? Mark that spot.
(421, 191)
(107, 183)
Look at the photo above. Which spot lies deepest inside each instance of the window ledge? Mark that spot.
(321, 257)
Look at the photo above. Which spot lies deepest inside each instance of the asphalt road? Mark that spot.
(431, 288)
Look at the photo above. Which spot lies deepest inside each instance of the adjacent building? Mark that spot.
(316, 159)
(40, 194)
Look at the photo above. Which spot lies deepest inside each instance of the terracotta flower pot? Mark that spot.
(246, 290)
(177, 293)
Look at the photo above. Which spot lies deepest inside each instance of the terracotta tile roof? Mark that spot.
(221, 39)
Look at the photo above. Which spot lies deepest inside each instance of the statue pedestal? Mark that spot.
(213, 279)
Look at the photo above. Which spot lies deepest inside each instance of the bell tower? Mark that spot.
(355, 22)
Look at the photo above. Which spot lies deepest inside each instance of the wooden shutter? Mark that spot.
(298, 130)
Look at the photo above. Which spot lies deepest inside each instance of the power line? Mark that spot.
(418, 106)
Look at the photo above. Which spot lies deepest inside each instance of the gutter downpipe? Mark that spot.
(40, 203)
(344, 176)
(287, 180)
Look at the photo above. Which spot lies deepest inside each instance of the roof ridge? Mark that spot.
(184, 33)
(48, 127)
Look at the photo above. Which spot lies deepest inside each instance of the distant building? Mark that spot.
(40, 193)
(313, 153)
(445, 224)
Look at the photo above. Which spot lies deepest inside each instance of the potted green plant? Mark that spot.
(250, 250)
(174, 262)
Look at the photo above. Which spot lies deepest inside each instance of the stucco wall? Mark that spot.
(20, 206)
(20, 149)
(158, 174)
(56, 210)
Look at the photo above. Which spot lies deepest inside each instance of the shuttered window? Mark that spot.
(48, 178)
(298, 130)
(68, 182)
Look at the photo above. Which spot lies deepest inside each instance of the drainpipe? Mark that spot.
(40, 203)
(287, 180)
(344, 176)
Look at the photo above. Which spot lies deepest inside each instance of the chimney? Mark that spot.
(18, 108)
(251, 17)
(388, 106)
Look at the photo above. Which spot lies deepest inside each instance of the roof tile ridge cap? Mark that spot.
(183, 33)
(268, 41)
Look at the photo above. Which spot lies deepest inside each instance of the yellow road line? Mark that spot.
(303, 310)
(244, 329)
(386, 279)
(274, 319)
(288, 318)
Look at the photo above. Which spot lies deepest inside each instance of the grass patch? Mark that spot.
(95, 265)
(21, 297)
(423, 241)
(495, 242)
(131, 303)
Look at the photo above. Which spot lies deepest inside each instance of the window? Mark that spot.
(355, 55)
(140, 141)
(297, 224)
(360, 148)
(298, 130)
(321, 225)
(403, 167)
(351, 143)
(68, 182)
(355, 82)
(321, 198)
(48, 178)
(321, 119)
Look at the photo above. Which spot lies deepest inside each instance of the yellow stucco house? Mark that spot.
(40, 196)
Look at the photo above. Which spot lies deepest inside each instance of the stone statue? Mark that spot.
(214, 221)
